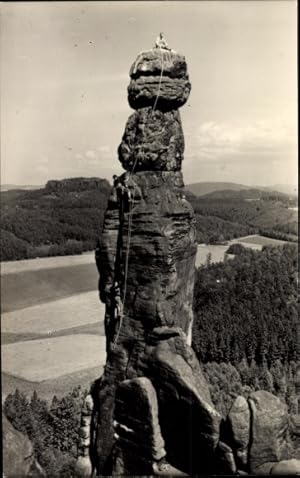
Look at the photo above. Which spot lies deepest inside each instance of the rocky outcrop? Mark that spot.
(152, 141)
(162, 248)
(76, 185)
(137, 438)
(148, 246)
(159, 77)
(257, 431)
(182, 393)
(286, 467)
(18, 454)
(269, 431)
(84, 459)
(281, 468)
(238, 423)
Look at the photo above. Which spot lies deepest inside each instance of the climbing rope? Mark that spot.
(159, 85)
(131, 209)
(125, 275)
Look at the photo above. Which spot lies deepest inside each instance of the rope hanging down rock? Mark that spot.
(131, 209)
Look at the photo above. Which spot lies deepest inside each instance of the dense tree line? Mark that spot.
(56, 220)
(214, 230)
(53, 429)
(245, 325)
(246, 307)
(227, 381)
(285, 232)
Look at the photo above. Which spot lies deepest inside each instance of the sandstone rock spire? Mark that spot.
(148, 244)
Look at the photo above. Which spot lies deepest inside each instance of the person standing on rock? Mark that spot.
(161, 42)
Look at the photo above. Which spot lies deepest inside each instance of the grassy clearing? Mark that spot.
(216, 252)
(96, 328)
(30, 288)
(47, 359)
(261, 241)
(48, 388)
(52, 331)
(74, 311)
(26, 265)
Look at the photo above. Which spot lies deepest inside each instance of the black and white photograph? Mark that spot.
(149, 238)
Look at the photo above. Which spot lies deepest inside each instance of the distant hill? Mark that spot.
(23, 187)
(246, 194)
(291, 189)
(76, 185)
(204, 188)
(200, 189)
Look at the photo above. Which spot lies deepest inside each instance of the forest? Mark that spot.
(53, 428)
(66, 217)
(245, 329)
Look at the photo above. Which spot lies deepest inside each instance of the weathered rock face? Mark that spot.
(159, 76)
(257, 431)
(285, 467)
(238, 423)
(162, 248)
(83, 459)
(137, 398)
(281, 468)
(188, 419)
(18, 453)
(269, 429)
(148, 247)
(152, 141)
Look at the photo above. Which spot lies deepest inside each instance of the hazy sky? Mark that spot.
(64, 77)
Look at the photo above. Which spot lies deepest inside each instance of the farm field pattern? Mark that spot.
(52, 329)
(39, 360)
(56, 341)
(66, 313)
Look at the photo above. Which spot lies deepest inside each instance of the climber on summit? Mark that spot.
(161, 42)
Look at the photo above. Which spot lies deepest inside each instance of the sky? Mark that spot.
(65, 71)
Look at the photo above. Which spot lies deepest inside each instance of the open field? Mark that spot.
(28, 288)
(260, 241)
(52, 327)
(47, 263)
(217, 252)
(47, 359)
(95, 328)
(74, 311)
